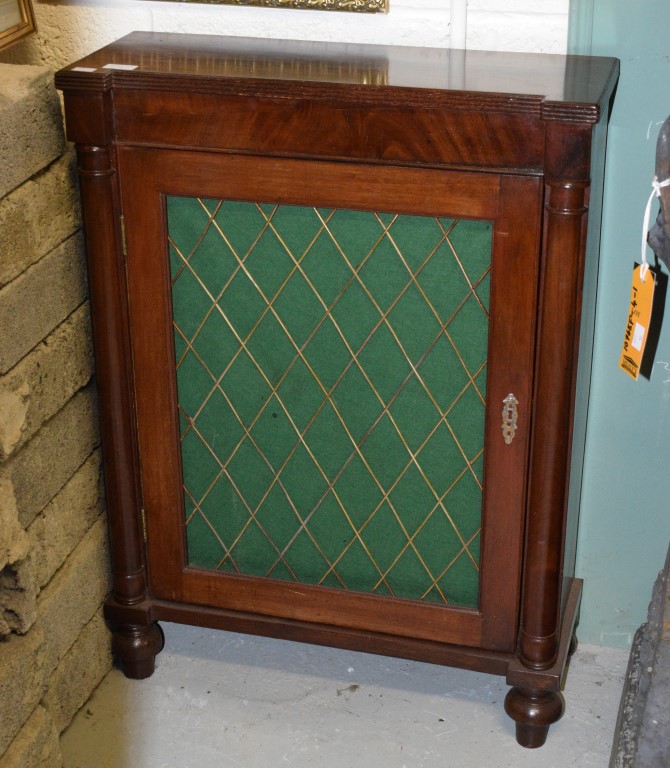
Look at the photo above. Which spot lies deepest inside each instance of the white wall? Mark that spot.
(518, 25)
(69, 29)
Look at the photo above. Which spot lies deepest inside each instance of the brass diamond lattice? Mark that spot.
(331, 375)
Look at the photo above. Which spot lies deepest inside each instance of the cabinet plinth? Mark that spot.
(337, 301)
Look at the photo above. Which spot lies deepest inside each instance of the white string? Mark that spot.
(656, 187)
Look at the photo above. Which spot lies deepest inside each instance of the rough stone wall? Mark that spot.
(54, 646)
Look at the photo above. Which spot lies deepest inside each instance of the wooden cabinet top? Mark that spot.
(555, 87)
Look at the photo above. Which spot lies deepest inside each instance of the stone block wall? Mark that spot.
(54, 646)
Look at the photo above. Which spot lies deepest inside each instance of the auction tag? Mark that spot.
(639, 317)
(128, 67)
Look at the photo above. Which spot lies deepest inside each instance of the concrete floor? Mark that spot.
(233, 701)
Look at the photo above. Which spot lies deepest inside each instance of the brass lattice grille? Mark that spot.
(331, 373)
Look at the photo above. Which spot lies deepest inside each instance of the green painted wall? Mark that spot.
(625, 513)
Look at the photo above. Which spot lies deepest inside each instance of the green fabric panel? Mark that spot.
(331, 374)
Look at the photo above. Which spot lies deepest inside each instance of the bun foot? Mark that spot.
(135, 647)
(533, 712)
(531, 736)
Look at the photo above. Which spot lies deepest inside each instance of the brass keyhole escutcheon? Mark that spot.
(509, 418)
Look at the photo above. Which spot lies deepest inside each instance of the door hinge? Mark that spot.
(122, 222)
(143, 518)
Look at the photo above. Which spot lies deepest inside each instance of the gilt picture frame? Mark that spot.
(356, 6)
(16, 21)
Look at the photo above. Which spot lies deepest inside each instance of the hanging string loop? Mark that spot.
(656, 187)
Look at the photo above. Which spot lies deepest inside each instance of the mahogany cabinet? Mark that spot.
(336, 296)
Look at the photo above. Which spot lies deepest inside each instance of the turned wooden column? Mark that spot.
(135, 645)
(536, 703)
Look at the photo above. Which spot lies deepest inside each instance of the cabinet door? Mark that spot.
(322, 352)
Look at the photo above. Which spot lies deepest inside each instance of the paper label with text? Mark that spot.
(639, 317)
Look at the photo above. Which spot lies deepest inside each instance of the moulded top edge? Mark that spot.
(523, 77)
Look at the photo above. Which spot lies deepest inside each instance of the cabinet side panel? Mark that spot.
(591, 270)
